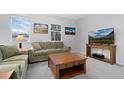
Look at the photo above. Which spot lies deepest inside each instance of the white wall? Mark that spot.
(95, 22)
(51, 19)
(5, 29)
(78, 41)
(5, 32)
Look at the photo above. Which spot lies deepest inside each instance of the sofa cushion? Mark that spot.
(59, 44)
(41, 52)
(57, 50)
(1, 56)
(9, 51)
(51, 45)
(17, 58)
(36, 46)
(63, 49)
(46, 45)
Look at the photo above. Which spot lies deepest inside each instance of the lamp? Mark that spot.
(20, 38)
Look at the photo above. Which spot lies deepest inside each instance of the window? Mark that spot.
(55, 32)
(20, 26)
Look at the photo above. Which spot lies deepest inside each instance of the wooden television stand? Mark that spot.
(110, 47)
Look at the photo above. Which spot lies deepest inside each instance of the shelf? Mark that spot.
(72, 71)
(105, 59)
(110, 47)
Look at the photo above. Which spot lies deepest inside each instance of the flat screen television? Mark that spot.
(102, 36)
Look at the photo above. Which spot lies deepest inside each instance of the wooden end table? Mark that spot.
(25, 49)
(66, 65)
(6, 75)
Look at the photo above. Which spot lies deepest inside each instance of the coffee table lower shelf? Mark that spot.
(67, 72)
(70, 72)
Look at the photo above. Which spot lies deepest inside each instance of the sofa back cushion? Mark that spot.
(36, 46)
(9, 51)
(51, 45)
(46, 45)
(1, 56)
(59, 44)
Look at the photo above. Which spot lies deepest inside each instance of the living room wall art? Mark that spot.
(70, 31)
(20, 26)
(40, 28)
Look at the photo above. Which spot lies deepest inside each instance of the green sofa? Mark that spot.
(12, 59)
(42, 49)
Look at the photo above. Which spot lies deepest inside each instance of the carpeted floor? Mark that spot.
(95, 70)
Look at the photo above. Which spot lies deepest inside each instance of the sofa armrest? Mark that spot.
(12, 67)
(30, 53)
(69, 48)
(23, 52)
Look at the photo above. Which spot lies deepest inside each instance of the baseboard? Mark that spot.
(120, 63)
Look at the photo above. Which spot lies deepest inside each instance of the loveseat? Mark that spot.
(42, 49)
(12, 59)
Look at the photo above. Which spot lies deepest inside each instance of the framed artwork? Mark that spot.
(40, 28)
(20, 26)
(70, 31)
(55, 27)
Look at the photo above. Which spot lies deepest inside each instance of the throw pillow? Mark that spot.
(36, 46)
(59, 44)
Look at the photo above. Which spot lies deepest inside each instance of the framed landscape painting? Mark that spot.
(40, 28)
(70, 31)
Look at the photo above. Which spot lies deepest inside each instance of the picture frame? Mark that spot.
(70, 30)
(40, 28)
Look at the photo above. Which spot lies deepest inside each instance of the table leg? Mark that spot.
(84, 67)
(57, 72)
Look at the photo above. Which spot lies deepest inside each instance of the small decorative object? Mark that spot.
(20, 38)
(70, 30)
(55, 27)
(40, 28)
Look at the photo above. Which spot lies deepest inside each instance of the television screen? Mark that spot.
(103, 36)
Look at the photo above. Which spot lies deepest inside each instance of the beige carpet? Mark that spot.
(95, 70)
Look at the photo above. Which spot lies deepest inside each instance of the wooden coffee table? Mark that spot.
(66, 65)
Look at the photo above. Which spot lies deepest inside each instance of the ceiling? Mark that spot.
(71, 16)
